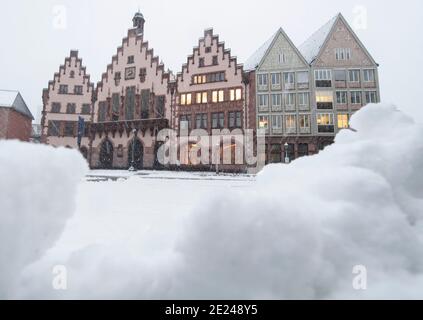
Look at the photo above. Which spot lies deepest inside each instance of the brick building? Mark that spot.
(15, 117)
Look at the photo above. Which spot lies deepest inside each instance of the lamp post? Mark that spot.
(217, 157)
(286, 153)
(132, 167)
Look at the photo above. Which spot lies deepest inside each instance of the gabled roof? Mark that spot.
(311, 48)
(253, 62)
(257, 58)
(13, 99)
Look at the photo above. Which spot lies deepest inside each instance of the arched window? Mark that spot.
(106, 154)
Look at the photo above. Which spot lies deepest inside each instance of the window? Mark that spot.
(201, 121)
(323, 74)
(290, 123)
(343, 54)
(185, 122)
(289, 78)
(323, 78)
(218, 120)
(356, 97)
(202, 97)
(218, 96)
(117, 78)
(324, 99)
(277, 122)
(102, 111)
(341, 97)
(71, 108)
(263, 122)
(282, 58)
(369, 75)
(186, 99)
(143, 74)
(115, 103)
(86, 109)
(145, 104)
(77, 90)
(343, 121)
(325, 123)
(208, 49)
(276, 79)
(131, 59)
(54, 128)
(63, 89)
(130, 103)
(55, 107)
(340, 75)
(262, 80)
(201, 62)
(304, 120)
(289, 99)
(235, 120)
(354, 75)
(263, 100)
(371, 97)
(302, 77)
(72, 74)
(160, 106)
(304, 99)
(276, 100)
(69, 129)
(235, 94)
(215, 61)
(302, 150)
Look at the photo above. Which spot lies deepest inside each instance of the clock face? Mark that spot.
(130, 73)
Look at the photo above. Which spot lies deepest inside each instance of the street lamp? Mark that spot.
(217, 157)
(132, 167)
(286, 153)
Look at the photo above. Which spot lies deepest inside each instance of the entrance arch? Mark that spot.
(106, 154)
(136, 154)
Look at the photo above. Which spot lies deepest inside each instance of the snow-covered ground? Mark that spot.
(297, 231)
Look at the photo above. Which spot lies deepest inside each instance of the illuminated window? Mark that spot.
(189, 99)
(235, 94)
(221, 95)
(343, 121)
(325, 119)
(324, 96)
(263, 122)
(202, 97)
(290, 122)
(183, 99)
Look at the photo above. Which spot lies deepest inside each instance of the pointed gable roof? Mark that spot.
(14, 100)
(312, 48)
(258, 57)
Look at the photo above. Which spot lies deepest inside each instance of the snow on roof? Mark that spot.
(7, 98)
(311, 47)
(13, 99)
(255, 59)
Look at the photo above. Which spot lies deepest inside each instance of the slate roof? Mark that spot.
(13, 99)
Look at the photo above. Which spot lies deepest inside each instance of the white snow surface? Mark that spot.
(293, 231)
(37, 188)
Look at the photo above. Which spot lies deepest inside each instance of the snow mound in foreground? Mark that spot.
(37, 196)
(303, 229)
(298, 232)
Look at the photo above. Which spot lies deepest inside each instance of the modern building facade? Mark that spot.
(304, 97)
(300, 97)
(15, 117)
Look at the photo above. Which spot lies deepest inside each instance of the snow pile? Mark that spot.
(305, 227)
(37, 196)
(297, 232)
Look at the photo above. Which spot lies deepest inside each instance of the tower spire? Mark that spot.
(138, 22)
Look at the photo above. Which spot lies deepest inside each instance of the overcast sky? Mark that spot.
(36, 36)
